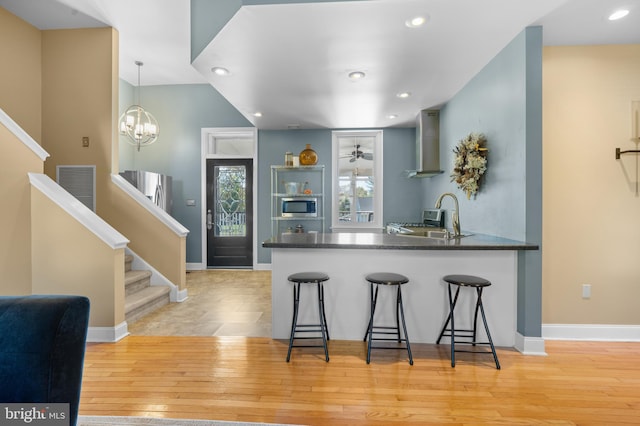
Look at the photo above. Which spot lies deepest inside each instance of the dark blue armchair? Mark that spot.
(42, 345)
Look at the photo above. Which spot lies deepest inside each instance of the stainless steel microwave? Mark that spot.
(299, 207)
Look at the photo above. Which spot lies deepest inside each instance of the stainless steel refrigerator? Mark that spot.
(155, 186)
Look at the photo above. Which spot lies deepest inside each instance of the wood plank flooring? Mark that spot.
(247, 379)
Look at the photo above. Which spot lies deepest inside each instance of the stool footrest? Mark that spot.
(319, 327)
(307, 346)
(457, 331)
(308, 337)
(388, 347)
(472, 343)
(385, 332)
(475, 352)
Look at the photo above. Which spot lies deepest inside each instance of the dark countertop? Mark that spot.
(381, 241)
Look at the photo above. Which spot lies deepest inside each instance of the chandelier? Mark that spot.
(139, 126)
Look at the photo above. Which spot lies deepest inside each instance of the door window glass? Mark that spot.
(230, 199)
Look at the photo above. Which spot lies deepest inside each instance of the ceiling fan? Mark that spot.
(356, 153)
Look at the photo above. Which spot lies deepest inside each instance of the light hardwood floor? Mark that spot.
(247, 379)
(202, 372)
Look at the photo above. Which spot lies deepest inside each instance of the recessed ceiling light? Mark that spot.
(356, 75)
(257, 114)
(403, 95)
(392, 116)
(618, 14)
(415, 22)
(220, 71)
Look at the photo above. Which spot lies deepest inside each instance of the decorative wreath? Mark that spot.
(470, 163)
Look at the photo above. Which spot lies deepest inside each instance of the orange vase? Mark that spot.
(308, 156)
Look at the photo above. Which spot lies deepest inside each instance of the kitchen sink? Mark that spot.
(435, 233)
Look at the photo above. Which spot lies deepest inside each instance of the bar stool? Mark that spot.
(317, 278)
(390, 279)
(479, 284)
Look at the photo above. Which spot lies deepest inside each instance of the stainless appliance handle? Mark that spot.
(209, 219)
(159, 197)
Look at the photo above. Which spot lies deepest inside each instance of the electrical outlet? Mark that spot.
(586, 291)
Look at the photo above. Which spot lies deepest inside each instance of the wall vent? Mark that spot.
(79, 181)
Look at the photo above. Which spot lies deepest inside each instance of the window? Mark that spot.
(357, 180)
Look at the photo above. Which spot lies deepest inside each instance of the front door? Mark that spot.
(229, 213)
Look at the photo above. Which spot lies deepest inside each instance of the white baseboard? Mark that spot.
(262, 267)
(592, 332)
(529, 345)
(195, 267)
(108, 334)
(181, 295)
(201, 267)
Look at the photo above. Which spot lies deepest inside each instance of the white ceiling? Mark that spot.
(290, 61)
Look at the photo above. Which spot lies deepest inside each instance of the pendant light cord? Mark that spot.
(139, 64)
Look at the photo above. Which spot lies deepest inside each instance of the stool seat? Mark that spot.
(376, 332)
(467, 280)
(317, 278)
(308, 277)
(469, 336)
(387, 278)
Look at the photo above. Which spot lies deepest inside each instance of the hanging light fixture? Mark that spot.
(139, 126)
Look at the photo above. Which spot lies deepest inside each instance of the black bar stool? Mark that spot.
(387, 278)
(479, 284)
(317, 278)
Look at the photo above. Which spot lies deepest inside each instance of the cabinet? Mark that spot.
(313, 179)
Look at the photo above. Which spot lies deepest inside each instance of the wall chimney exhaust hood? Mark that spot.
(427, 144)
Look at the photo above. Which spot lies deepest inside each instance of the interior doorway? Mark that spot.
(228, 198)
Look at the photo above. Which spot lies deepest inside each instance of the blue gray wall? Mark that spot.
(503, 101)
(182, 111)
(402, 196)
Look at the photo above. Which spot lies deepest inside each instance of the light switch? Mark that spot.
(85, 141)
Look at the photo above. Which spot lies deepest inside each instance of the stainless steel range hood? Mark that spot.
(427, 144)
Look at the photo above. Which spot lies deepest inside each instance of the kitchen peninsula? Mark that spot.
(348, 257)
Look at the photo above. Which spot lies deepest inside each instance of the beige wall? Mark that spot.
(16, 160)
(20, 98)
(77, 98)
(20, 73)
(80, 98)
(81, 263)
(146, 234)
(591, 213)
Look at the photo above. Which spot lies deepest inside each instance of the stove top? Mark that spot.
(408, 228)
(431, 218)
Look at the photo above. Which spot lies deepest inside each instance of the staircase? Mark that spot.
(141, 298)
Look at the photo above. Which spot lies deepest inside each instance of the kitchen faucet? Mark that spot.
(455, 218)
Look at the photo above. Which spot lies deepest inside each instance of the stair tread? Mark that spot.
(135, 275)
(142, 297)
